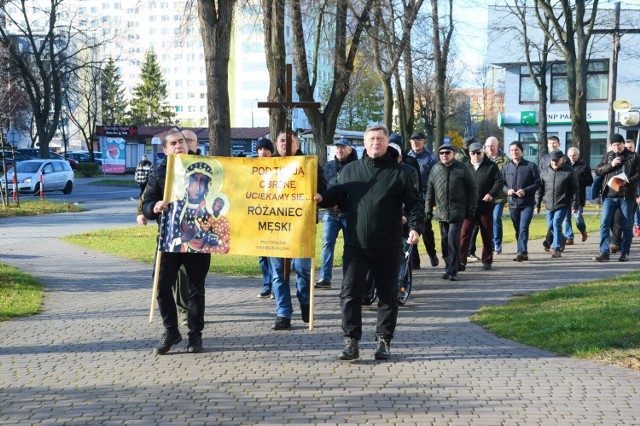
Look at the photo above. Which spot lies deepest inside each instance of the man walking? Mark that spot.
(264, 149)
(521, 181)
(583, 172)
(280, 284)
(335, 218)
(375, 190)
(196, 264)
(489, 182)
(453, 191)
(559, 187)
(620, 176)
(493, 153)
(426, 160)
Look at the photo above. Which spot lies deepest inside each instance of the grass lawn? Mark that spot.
(31, 207)
(20, 293)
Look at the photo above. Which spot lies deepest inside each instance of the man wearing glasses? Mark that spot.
(452, 190)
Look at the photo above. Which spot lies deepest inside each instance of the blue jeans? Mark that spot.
(498, 208)
(521, 218)
(580, 224)
(281, 288)
(554, 223)
(265, 268)
(332, 225)
(609, 207)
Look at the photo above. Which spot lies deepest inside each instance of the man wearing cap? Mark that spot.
(463, 155)
(426, 160)
(264, 149)
(493, 153)
(521, 181)
(335, 218)
(452, 190)
(196, 264)
(559, 187)
(489, 182)
(617, 194)
(375, 188)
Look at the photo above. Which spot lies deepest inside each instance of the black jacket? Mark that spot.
(154, 191)
(331, 172)
(629, 166)
(453, 192)
(524, 175)
(375, 191)
(559, 188)
(488, 179)
(584, 179)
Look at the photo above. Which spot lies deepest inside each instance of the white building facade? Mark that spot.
(520, 117)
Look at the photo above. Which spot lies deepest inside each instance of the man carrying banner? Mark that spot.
(281, 288)
(196, 264)
(374, 189)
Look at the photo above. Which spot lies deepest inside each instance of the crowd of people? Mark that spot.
(385, 201)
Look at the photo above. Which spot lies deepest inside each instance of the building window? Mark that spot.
(597, 81)
(192, 109)
(178, 95)
(598, 147)
(528, 90)
(178, 108)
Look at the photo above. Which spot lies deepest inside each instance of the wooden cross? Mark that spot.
(289, 105)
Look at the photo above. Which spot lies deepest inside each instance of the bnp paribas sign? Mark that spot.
(554, 118)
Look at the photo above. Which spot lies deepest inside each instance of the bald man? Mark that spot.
(192, 142)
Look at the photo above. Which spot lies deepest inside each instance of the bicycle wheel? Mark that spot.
(405, 280)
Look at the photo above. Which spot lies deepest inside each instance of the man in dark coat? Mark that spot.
(583, 172)
(375, 189)
(521, 181)
(452, 190)
(559, 188)
(196, 264)
(489, 182)
(620, 173)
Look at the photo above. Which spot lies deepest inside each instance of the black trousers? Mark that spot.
(197, 267)
(450, 234)
(429, 240)
(384, 266)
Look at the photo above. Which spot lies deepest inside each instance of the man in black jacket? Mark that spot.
(375, 189)
(559, 187)
(583, 172)
(335, 218)
(452, 190)
(196, 264)
(617, 193)
(489, 182)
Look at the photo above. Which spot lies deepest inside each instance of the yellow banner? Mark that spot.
(245, 206)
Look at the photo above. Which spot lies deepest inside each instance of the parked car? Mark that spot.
(56, 176)
(7, 155)
(83, 157)
(34, 153)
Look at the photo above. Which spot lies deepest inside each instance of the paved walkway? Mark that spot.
(87, 358)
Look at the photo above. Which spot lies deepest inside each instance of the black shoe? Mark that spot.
(383, 350)
(265, 293)
(602, 257)
(462, 267)
(350, 351)
(453, 277)
(623, 258)
(304, 313)
(166, 342)
(486, 266)
(282, 323)
(323, 284)
(519, 258)
(434, 260)
(546, 245)
(195, 345)
(446, 276)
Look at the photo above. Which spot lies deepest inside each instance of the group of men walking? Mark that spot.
(385, 201)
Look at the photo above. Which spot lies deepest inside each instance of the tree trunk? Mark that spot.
(388, 102)
(274, 47)
(441, 53)
(216, 22)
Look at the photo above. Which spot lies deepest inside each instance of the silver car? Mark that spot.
(56, 176)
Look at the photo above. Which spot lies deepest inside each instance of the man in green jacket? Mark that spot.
(375, 189)
(453, 191)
